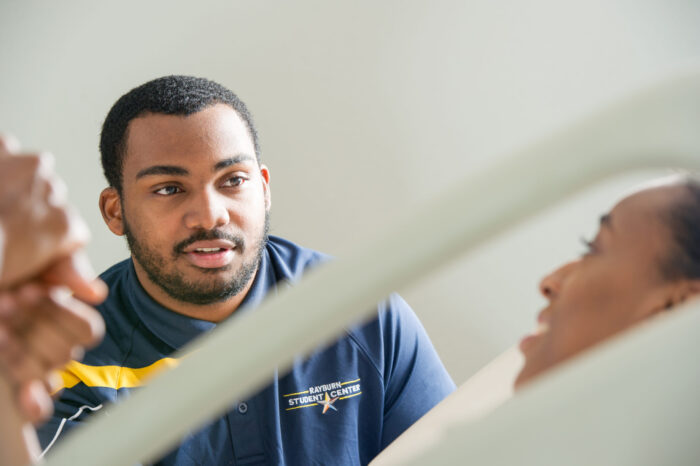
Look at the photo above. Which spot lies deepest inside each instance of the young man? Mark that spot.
(189, 192)
(644, 260)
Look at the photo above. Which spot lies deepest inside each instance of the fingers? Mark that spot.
(19, 366)
(76, 273)
(35, 218)
(8, 145)
(40, 235)
(25, 296)
(42, 326)
(78, 322)
(35, 398)
(38, 339)
(35, 401)
(47, 344)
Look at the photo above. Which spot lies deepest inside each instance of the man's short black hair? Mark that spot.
(170, 95)
(684, 222)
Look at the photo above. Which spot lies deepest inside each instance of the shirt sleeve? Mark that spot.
(415, 379)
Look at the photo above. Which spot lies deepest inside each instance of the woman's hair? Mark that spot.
(684, 222)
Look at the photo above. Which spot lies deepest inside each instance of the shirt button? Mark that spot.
(242, 408)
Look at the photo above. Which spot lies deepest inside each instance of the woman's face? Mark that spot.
(615, 284)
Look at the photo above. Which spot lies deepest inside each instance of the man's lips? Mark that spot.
(210, 254)
(209, 246)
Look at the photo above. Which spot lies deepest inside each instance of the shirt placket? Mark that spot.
(246, 438)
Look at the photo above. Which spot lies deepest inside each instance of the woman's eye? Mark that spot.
(234, 181)
(590, 247)
(168, 190)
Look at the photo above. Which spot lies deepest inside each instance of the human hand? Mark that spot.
(38, 229)
(41, 329)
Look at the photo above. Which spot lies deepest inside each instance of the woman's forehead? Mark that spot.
(640, 219)
(650, 201)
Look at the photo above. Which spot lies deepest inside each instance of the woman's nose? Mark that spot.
(550, 286)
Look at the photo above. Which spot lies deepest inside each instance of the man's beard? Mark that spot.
(178, 287)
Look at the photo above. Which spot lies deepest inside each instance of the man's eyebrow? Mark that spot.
(606, 221)
(162, 170)
(233, 161)
(175, 170)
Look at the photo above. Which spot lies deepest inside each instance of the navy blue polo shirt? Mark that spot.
(340, 406)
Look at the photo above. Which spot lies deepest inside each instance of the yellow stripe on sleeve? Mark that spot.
(115, 377)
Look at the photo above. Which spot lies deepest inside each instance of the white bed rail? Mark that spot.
(656, 127)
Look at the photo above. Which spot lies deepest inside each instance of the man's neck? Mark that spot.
(215, 312)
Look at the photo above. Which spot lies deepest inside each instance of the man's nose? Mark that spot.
(207, 211)
(550, 286)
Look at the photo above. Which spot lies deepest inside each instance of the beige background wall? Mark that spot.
(365, 109)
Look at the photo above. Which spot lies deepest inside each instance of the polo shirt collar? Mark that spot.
(176, 330)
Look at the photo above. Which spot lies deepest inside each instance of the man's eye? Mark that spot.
(168, 190)
(234, 181)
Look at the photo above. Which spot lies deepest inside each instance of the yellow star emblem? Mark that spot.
(327, 402)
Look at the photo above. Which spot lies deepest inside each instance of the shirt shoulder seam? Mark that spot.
(365, 354)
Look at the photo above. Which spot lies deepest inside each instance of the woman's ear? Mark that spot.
(687, 289)
(677, 294)
(111, 208)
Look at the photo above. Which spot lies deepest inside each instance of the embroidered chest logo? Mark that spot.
(324, 396)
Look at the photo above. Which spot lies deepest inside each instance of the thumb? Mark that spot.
(8, 144)
(75, 273)
(35, 402)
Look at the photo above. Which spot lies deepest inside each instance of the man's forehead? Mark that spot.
(214, 121)
(214, 132)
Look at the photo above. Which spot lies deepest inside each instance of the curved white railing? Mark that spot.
(657, 127)
(630, 401)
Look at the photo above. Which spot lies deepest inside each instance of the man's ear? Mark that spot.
(265, 175)
(111, 208)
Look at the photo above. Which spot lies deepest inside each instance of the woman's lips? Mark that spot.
(530, 340)
(527, 342)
